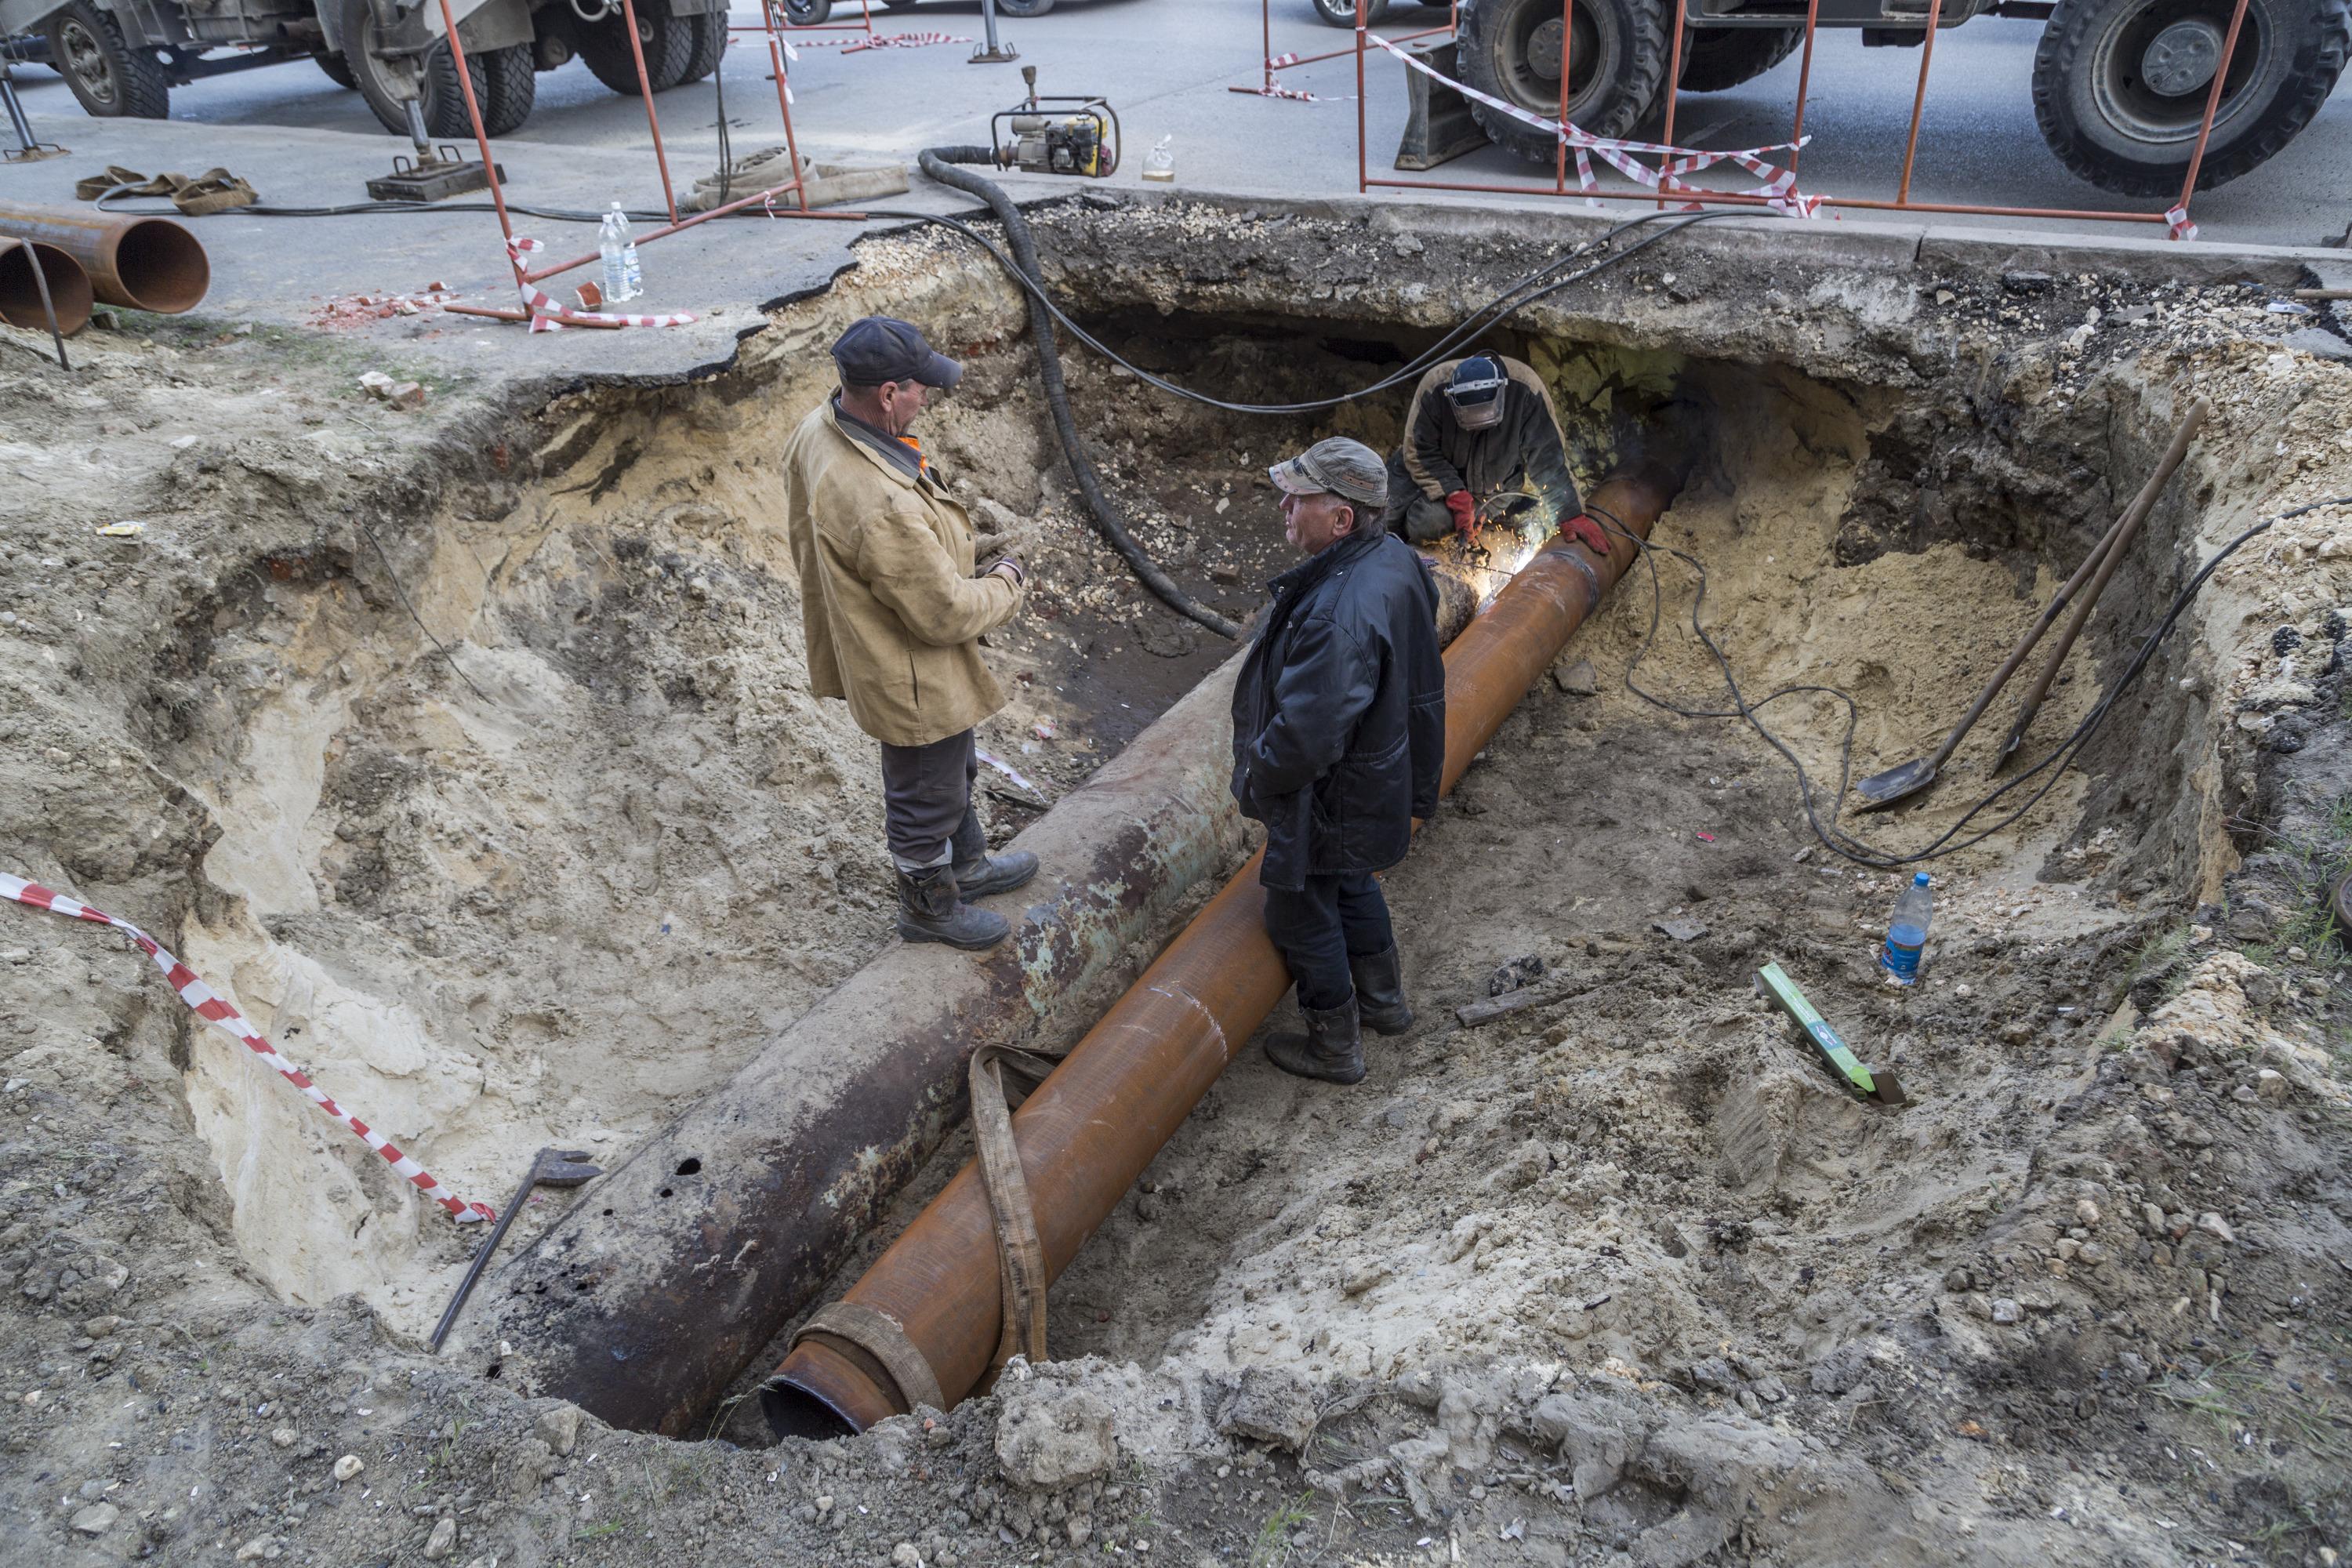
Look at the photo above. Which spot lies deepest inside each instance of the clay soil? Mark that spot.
(469, 751)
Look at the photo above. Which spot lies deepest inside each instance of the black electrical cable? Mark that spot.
(1832, 835)
(1108, 521)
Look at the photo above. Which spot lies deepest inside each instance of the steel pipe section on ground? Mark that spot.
(21, 304)
(143, 263)
(1098, 1122)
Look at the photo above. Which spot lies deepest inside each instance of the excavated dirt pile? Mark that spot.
(470, 753)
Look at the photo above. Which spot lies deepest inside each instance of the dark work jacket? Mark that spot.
(1339, 713)
(1523, 450)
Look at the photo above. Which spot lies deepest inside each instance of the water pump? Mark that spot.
(1037, 138)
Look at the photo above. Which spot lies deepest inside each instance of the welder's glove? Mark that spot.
(1464, 508)
(1587, 533)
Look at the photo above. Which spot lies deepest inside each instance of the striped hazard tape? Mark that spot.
(885, 41)
(548, 315)
(2176, 222)
(1778, 190)
(206, 1005)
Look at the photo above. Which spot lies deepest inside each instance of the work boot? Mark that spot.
(1380, 992)
(1331, 1050)
(930, 909)
(977, 872)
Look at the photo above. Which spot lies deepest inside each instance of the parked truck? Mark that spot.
(2119, 86)
(123, 57)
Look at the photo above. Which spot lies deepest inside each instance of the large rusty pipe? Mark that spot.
(645, 1306)
(145, 263)
(20, 290)
(1100, 1120)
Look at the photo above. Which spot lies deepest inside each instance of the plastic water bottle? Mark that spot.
(622, 281)
(1906, 934)
(1159, 164)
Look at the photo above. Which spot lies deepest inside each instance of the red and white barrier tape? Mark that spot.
(206, 1005)
(886, 41)
(548, 314)
(1295, 95)
(1778, 190)
(2175, 222)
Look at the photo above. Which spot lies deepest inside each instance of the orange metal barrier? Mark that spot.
(794, 187)
(1271, 62)
(2176, 219)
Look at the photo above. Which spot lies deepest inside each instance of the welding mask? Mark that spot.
(1475, 393)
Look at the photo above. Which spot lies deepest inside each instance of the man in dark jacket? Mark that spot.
(1338, 734)
(1478, 428)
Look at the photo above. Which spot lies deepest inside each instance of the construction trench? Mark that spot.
(474, 758)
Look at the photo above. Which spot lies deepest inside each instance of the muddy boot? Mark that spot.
(1380, 992)
(929, 910)
(979, 873)
(1332, 1048)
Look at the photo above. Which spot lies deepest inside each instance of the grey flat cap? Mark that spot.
(1347, 468)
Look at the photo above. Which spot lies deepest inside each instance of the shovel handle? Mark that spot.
(2125, 531)
(2058, 601)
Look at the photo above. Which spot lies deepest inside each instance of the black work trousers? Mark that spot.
(1321, 926)
(926, 790)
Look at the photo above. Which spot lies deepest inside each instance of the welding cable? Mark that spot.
(1832, 835)
(1099, 506)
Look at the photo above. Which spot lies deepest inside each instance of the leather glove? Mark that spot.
(1587, 533)
(1464, 508)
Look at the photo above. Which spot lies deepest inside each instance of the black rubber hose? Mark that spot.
(939, 162)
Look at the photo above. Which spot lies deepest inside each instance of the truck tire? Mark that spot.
(111, 79)
(709, 31)
(2119, 86)
(505, 101)
(505, 88)
(338, 70)
(1342, 13)
(1717, 58)
(667, 41)
(1023, 8)
(1617, 64)
(807, 13)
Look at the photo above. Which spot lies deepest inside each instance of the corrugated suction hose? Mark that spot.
(939, 163)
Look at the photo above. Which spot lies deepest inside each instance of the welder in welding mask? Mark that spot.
(1481, 428)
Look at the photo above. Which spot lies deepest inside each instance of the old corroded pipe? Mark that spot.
(1100, 1120)
(21, 301)
(145, 263)
(645, 1305)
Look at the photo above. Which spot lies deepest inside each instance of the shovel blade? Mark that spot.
(1896, 783)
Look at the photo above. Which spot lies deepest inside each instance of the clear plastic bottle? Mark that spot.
(622, 280)
(1159, 164)
(1906, 932)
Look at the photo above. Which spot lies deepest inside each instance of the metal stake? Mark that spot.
(995, 54)
(551, 1168)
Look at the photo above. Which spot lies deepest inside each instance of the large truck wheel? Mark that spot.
(1717, 57)
(338, 70)
(505, 88)
(111, 79)
(709, 31)
(2119, 86)
(807, 13)
(667, 42)
(1617, 66)
(387, 81)
(1342, 13)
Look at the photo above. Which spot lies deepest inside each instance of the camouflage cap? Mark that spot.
(1347, 468)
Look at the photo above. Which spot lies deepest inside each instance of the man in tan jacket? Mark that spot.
(894, 612)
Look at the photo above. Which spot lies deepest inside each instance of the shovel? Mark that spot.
(551, 1168)
(2127, 529)
(1907, 779)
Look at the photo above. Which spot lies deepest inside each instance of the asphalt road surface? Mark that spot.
(1166, 66)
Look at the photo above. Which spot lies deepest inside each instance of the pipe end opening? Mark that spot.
(794, 1411)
